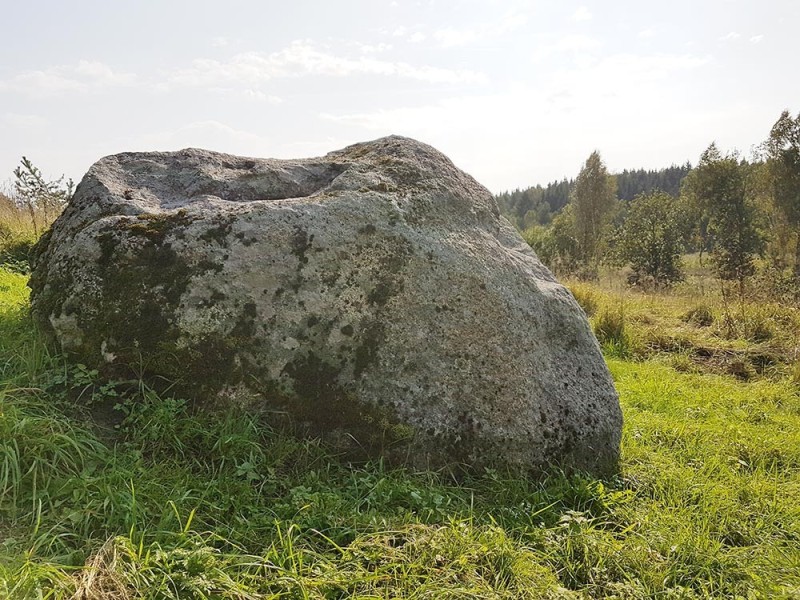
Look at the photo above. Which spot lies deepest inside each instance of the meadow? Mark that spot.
(155, 499)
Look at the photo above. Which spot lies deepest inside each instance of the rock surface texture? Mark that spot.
(375, 295)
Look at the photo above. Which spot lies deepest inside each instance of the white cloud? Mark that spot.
(247, 94)
(416, 37)
(219, 42)
(601, 79)
(540, 127)
(303, 58)
(756, 39)
(578, 45)
(242, 74)
(450, 37)
(86, 76)
(582, 14)
(632, 67)
(374, 48)
(646, 33)
(730, 36)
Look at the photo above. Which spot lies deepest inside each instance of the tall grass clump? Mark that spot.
(18, 234)
(610, 330)
(38, 449)
(794, 373)
(586, 297)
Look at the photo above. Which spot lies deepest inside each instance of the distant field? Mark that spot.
(175, 504)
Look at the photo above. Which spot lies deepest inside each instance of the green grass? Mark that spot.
(172, 503)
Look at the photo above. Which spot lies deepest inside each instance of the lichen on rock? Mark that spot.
(374, 294)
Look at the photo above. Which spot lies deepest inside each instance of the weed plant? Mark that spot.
(170, 502)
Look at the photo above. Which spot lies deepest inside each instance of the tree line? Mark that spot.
(732, 209)
(537, 205)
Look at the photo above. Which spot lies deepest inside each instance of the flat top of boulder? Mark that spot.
(158, 181)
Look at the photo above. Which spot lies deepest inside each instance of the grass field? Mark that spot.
(171, 503)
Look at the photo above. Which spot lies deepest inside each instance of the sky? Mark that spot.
(516, 93)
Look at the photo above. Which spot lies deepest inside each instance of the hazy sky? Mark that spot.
(516, 92)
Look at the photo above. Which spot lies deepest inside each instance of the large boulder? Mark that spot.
(374, 295)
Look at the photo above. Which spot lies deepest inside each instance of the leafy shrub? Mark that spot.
(651, 240)
(556, 245)
(781, 284)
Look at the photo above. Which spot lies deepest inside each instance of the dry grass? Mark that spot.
(694, 326)
(100, 578)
